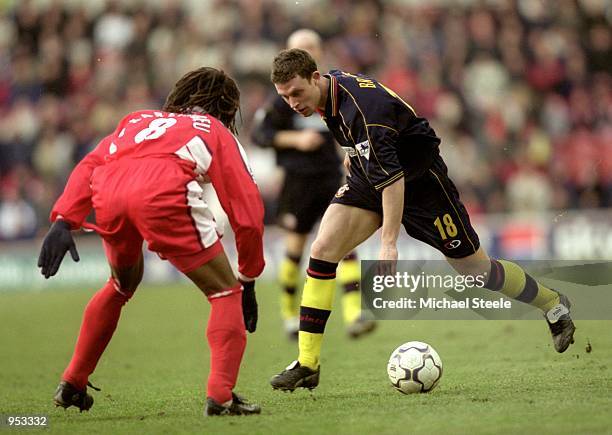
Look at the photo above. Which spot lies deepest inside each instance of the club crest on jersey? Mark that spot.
(363, 148)
(340, 193)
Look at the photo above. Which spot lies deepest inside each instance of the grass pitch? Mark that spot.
(499, 376)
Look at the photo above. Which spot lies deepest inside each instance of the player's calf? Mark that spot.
(227, 339)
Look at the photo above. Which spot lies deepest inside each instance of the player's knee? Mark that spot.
(126, 293)
(128, 284)
(474, 265)
(323, 249)
(128, 278)
(468, 268)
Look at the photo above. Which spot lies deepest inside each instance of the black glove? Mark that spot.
(57, 242)
(249, 305)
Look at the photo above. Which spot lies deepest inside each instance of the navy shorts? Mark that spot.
(304, 199)
(433, 212)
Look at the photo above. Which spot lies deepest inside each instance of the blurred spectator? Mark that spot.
(17, 216)
(519, 90)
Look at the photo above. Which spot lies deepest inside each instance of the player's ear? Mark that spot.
(316, 76)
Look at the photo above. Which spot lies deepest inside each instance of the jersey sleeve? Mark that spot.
(269, 120)
(74, 204)
(383, 166)
(241, 201)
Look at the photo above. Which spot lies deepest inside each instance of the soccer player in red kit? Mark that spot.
(144, 182)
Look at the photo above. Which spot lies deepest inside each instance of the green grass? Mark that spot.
(500, 376)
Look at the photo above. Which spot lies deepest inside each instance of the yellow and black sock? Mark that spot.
(317, 301)
(349, 276)
(288, 276)
(511, 280)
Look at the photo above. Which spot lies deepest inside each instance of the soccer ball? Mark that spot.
(414, 367)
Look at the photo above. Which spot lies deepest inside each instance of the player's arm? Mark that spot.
(302, 140)
(74, 204)
(374, 122)
(273, 128)
(383, 166)
(241, 201)
(347, 164)
(387, 175)
(69, 212)
(393, 209)
(268, 121)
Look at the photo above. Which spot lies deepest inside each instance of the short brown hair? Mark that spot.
(207, 89)
(290, 63)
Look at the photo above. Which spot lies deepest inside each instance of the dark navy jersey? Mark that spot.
(381, 133)
(278, 116)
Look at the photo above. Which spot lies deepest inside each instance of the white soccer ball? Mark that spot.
(414, 367)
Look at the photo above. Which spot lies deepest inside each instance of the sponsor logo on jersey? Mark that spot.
(452, 244)
(363, 148)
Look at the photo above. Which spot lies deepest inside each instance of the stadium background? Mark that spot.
(520, 91)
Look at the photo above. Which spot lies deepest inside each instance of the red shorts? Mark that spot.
(156, 200)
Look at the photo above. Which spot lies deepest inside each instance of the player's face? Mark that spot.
(301, 94)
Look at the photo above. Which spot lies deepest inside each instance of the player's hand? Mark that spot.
(57, 242)
(249, 305)
(309, 140)
(387, 260)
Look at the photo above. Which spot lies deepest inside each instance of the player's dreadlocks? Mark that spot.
(209, 90)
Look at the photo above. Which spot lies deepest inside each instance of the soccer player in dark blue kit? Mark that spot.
(308, 155)
(396, 177)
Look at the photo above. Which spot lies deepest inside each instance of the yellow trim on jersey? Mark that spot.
(342, 131)
(454, 208)
(347, 128)
(393, 94)
(365, 123)
(383, 126)
(389, 181)
(351, 136)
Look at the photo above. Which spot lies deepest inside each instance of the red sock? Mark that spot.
(227, 340)
(99, 322)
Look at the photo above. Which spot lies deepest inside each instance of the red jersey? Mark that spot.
(203, 147)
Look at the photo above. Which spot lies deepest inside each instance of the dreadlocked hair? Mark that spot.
(208, 90)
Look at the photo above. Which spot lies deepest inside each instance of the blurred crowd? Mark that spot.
(519, 90)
